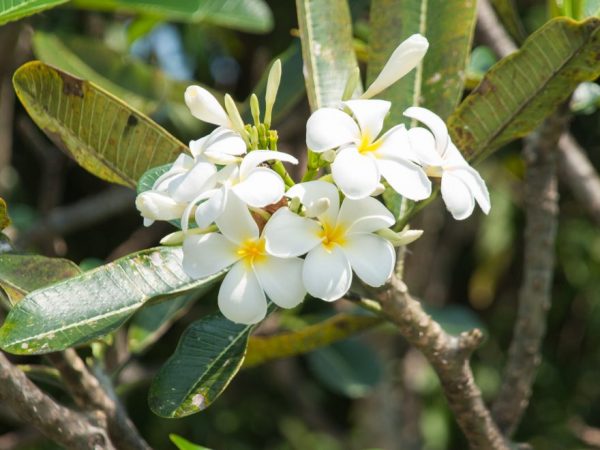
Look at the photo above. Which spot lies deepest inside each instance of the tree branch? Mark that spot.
(89, 393)
(449, 355)
(63, 425)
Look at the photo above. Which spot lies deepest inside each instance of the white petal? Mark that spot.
(453, 157)
(356, 175)
(395, 144)
(457, 196)
(406, 178)
(435, 124)
(236, 222)
(364, 215)
(422, 144)
(229, 174)
(204, 106)
(281, 279)
(185, 216)
(287, 234)
(327, 274)
(260, 188)
(158, 206)
(209, 210)
(256, 157)
(206, 254)
(222, 146)
(372, 258)
(329, 128)
(370, 115)
(476, 185)
(241, 299)
(192, 183)
(311, 193)
(404, 59)
(198, 146)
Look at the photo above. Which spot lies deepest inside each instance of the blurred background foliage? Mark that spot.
(369, 392)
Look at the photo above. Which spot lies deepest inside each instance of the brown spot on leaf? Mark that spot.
(485, 86)
(71, 85)
(132, 121)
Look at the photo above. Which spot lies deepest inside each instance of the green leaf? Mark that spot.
(209, 354)
(246, 15)
(21, 274)
(103, 134)
(438, 82)
(152, 321)
(184, 444)
(4, 219)
(591, 8)
(327, 50)
(349, 368)
(147, 182)
(95, 303)
(265, 348)
(510, 18)
(11, 10)
(524, 88)
(456, 319)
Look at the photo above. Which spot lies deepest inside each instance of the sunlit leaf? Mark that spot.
(246, 15)
(327, 50)
(524, 88)
(103, 134)
(17, 9)
(184, 444)
(95, 303)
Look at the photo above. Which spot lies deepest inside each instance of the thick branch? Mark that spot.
(64, 426)
(449, 356)
(541, 210)
(88, 393)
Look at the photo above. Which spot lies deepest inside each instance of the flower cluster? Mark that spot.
(240, 210)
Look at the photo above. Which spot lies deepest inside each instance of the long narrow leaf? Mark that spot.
(11, 10)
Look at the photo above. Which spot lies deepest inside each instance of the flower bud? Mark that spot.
(399, 239)
(204, 106)
(255, 109)
(351, 84)
(234, 115)
(272, 88)
(317, 207)
(328, 156)
(158, 206)
(378, 190)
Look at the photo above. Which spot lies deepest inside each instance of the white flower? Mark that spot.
(337, 241)
(255, 186)
(205, 107)
(254, 272)
(461, 184)
(172, 191)
(222, 146)
(404, 59)
(362, 158)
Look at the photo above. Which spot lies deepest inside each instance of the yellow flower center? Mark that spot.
(434, 171)
(252, 251)
(331, 235)
(366, 146)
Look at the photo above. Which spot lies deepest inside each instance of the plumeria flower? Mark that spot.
(254, 270)
(337, 241)
(363, 158)
(205, 107)
(172, 191)
(253, 185)
(222, 146)
(462, 185)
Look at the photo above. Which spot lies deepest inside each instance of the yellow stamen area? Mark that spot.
(332, 235)
(434, 171)
(366, 146)
(252, 251)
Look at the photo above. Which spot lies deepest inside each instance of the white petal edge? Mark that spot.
(287, 234)
(395, 144)
(365, 215)
(434, 123)
(370, 115)
(422, 144)
(204, 106)
(329, 128)
(356, 175)
(260, 188)
(327, 274)
(311, 192)
(207, 254)
(405, 58)
(209, 210)
(191, 184)
(406, 178)
(476, 185)
(241, 298)
(236, 222)
(457, 196)
(372, 258)
(158, 206)
(281, 279)
(256, 157)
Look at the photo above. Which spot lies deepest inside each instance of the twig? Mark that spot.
(579, 174)
(449, 356)
(63, 425)
(89, 393)
(541, 211)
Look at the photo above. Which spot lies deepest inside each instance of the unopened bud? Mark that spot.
(378, 190)
(255, 109)
(318, 207)
(174, 238)
(399, 239)
(294, 204)
(351, 84)
(234, 116)
(272, 88)
(328, 156)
